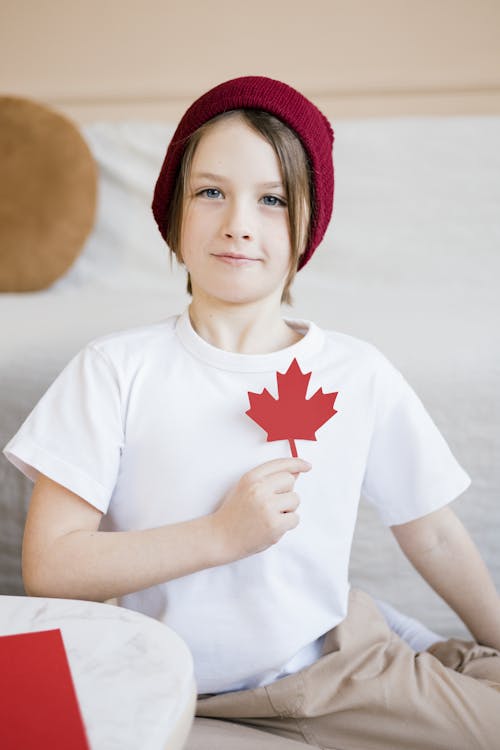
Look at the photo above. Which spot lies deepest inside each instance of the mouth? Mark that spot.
(235, 258)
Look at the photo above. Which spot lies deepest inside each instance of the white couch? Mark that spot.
(411, 263)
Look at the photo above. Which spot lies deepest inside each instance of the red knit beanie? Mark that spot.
(281, 100)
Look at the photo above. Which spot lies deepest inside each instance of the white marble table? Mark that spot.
(133, 675)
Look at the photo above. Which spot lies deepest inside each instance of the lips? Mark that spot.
(235, 259)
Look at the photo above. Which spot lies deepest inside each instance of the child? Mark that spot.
(210, 525)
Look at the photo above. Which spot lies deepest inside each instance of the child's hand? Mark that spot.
(259, 509)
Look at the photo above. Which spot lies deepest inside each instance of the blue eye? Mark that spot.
(275, 201)
(209, 193)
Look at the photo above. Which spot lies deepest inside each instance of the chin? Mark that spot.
(239, 299)
(236, 295)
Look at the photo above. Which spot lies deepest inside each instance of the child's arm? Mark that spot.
(442, 551)
(65, 556)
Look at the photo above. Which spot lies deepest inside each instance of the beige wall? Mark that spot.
(148, 58)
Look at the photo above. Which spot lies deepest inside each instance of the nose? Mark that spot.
(238, 221)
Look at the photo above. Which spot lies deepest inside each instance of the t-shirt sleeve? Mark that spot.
(74, 435)
(410, 469)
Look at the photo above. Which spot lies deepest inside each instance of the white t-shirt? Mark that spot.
(149, 426)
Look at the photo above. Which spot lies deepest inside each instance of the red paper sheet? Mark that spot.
(38, 704)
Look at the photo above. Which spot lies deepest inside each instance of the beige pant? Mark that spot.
(368, 691)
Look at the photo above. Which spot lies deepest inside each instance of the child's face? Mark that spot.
(238, 209)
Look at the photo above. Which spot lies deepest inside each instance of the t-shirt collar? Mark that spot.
(310, 343)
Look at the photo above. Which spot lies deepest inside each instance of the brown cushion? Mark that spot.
(47, 194)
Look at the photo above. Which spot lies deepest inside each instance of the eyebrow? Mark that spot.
(220, 178)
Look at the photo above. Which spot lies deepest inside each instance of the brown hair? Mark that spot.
(296, 177)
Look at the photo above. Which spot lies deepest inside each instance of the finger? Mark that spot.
(282, 481)
(291, 465)
(287, 502)
(290, 521)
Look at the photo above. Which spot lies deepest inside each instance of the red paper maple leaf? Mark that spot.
(291, 416)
